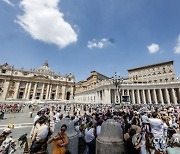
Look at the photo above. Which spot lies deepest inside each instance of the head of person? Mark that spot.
(47, 111)
(99, 122)
(6, 131)
(61, 116)
(43, 112)
(41, 120)
(132, 132)
(127, 128)
(154, 114)
(39, 113)
(63, 128)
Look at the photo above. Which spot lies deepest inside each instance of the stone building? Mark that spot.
(156, 73)
(35, 84)
(92, 80)
(155, 83)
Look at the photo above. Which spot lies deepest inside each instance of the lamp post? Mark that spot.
(117, 80)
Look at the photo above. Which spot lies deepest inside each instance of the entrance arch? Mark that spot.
(68, 95)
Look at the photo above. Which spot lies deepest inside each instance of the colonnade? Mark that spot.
(162, 96)
(140, 95)
(37, 90)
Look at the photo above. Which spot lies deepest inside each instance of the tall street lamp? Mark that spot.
(117, 80)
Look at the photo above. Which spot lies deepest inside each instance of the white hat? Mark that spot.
(42, 109)
(7, 131)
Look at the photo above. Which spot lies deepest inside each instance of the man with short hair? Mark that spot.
(40, 135)
(156, 125)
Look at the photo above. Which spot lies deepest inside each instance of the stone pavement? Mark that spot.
(19, 117)
(22, 123)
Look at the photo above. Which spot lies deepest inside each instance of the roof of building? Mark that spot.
(152, 65)
(97, 74)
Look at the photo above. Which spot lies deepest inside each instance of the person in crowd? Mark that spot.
(40, 136)
(130, 147)
(60, 141)
(98, 128)
(144, 119)
(6, 140)
(157, 129)
(37, 116)
(57, 116)
(90, 137)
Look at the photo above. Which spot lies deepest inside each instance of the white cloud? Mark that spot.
(153, 48)
(8, 2)
(177, 47)
(99, 43)
(43, 21)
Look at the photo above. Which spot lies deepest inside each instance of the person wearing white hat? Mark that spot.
(4, 134)
(5, 139)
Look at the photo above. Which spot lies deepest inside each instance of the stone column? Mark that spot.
(63, 92)
(133, 97)
(128, 92)
(5, 89)
(155, 96)
(167, 96)
(143, 96)
(149, 96)
(42, 92)
(138, 97)
(16, 90)
(28, 92)
(161, 96)
(174, 98)
(96, 97)
(122, 92)
(56, 95)
(26, 89)
(47, 92)
(34, 92)
(72, 91)
(107, 96)
(50, 91)
(99, 97)
(179, 95)
(117, 97)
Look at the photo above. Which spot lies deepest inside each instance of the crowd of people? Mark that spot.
(10, 108)
(145, 128)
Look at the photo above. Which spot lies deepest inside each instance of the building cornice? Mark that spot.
(149, 66)
(132, 86)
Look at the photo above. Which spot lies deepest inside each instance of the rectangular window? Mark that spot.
(3, 71)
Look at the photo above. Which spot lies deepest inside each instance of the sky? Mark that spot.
(80, 36)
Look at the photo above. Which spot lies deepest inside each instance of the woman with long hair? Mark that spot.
(60, 141)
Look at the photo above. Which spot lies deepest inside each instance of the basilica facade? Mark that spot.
(35, 84)
(156, 83)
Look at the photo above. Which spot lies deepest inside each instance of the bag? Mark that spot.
(38, 146)
(35, 147)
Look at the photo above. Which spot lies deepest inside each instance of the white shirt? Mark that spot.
(144, 119)
(172, 123)
(43, 133)
(89, 135)
(156, 126)
(57, 117)
(98, 130)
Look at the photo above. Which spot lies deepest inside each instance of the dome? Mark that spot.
(45, 68)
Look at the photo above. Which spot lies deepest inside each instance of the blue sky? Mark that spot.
(79, 36)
